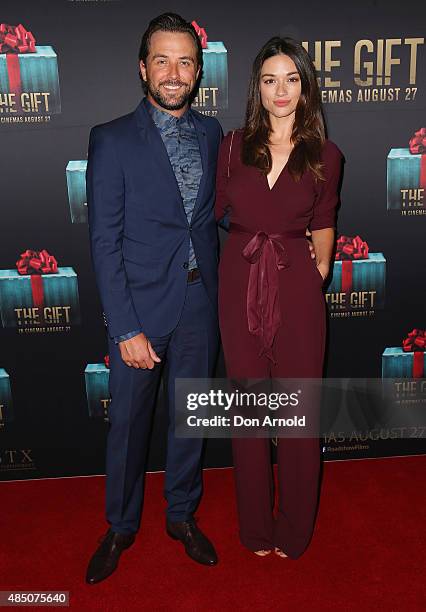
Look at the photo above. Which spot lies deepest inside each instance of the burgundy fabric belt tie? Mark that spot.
(267, 256)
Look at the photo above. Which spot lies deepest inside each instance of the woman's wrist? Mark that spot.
(324, 269)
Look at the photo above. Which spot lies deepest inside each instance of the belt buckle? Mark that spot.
(193, 275)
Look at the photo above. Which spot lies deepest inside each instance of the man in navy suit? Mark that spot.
(151, 187)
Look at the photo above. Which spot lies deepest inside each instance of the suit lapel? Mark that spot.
(157, 151)
(202, 142)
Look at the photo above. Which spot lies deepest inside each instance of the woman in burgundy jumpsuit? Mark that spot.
(271, 304)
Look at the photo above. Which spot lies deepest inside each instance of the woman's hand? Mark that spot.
(311, 246)
(323, 240)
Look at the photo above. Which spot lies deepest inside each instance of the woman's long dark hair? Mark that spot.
(308, 132)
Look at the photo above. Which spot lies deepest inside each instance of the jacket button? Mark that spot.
(186, 265)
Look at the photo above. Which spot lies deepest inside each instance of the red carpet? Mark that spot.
(368, 550)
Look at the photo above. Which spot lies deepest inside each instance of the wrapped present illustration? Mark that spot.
(407, 360)
(38, 292)
(358, 270)
(76, 183)
(29, 80)
(97, 388)
(6, 408)
(213, 90)
(406, 174)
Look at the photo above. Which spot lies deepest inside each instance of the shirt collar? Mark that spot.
(163, 119)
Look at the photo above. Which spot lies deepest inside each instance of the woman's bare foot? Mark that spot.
(262, 553)
(280, 553)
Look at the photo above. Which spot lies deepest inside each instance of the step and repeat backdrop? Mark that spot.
(66, 65)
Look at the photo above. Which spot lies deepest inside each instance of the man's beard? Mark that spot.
(176, 102)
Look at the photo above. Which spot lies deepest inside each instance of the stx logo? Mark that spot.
(20, 457)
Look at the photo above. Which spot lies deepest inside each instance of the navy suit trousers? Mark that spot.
(189, 351)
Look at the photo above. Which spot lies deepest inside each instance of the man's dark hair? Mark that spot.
(169, 22)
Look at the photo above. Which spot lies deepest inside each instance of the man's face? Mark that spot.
(171, 69)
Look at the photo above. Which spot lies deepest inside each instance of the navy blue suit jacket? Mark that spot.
(139, 232)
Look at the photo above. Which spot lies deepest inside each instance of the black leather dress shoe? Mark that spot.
(197, 545)
(105, 560)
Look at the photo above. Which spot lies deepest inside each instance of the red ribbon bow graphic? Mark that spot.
(418, 142)
(349, 249)
(37, 263)
(417, 146)
(14, 40)
(415, 342)
(201, 33)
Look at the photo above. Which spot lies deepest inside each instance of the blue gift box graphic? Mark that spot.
(403, 173)
(213, 90)
(59, 290)
(6, 414)
(76, 184)
(397, 363)
(97, 389)
(367, 275)
(408, 360)
(38, 74)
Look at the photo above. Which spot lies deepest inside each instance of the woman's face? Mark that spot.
(280, 85)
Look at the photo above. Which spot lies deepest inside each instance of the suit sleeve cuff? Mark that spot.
(127, 336)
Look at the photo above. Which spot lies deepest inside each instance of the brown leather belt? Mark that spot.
(193, 275)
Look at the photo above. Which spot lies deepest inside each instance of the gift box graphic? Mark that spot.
(406, 169)
(5, 397)
(213, 92)
(408, 360)
(356, 269)
(76, 183)
(97, 388)
(39, 283)
(28, 68)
